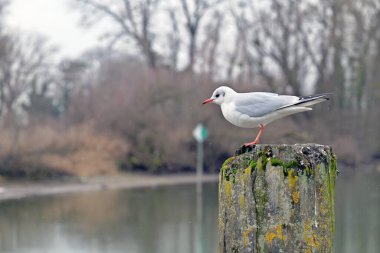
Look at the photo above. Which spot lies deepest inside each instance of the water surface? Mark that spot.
(163, 219)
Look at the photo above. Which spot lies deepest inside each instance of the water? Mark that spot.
(357, 214)
(163, 219)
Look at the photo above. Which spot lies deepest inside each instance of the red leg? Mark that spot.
(257, 139)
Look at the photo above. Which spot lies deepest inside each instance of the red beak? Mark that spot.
(209, 100)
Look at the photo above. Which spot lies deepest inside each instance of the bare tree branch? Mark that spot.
(134, 19)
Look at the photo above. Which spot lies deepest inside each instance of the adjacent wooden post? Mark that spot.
(278, 198)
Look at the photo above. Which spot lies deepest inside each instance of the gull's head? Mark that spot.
(220, 95)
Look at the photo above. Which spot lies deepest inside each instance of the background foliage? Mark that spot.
(134, 104)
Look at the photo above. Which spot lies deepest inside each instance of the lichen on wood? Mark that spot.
(278, 198)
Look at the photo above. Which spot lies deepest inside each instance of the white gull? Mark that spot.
(257, 109)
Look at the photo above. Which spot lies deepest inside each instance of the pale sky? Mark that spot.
(55, 20)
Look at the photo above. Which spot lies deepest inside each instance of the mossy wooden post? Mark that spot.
(278, 198)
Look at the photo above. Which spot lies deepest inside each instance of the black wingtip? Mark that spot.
(326, 96)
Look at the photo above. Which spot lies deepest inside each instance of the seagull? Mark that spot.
(257, 109)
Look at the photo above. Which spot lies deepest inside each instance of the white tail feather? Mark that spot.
(283, 113)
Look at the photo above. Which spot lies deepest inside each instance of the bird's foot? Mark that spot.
(244, 149)
(249, 144)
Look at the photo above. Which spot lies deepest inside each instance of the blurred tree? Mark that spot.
(211, 44)
(133, 18)
(40, 105)
(72, 72)
(194, 11)
(273, 41)
(24, 66)
(174, 40)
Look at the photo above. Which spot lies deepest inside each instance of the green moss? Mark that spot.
(246, 161)
(233, 173)
(230, 169)
(262, 157)
(252, 164)
(226, 168)
(292, 164)
(300, 166)
(285, 171)
(228, 161)
(308, 171)
(260, 164)
(264, 161)
(226, 175)
(261, 199)
(333, 170)
(276, 162)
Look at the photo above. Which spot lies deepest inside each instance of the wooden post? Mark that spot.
(278, 198)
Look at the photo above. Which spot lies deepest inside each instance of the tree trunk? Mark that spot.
(278, 198)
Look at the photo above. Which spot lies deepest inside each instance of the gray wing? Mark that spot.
(258, 104)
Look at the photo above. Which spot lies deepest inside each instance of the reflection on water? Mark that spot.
(357, 214)
(162, 219)
(150, 220)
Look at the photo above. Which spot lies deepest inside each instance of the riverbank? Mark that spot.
(17, 190)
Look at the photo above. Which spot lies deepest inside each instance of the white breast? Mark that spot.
(238, 119)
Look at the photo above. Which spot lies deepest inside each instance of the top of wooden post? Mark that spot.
(277, 198)
(303, 148)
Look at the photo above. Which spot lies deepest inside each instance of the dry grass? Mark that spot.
(79, 150)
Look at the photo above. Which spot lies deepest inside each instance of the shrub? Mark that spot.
(48, 151)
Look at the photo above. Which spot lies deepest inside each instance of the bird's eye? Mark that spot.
(217, 95)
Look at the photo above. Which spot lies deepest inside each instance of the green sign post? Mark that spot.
(200, 134)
